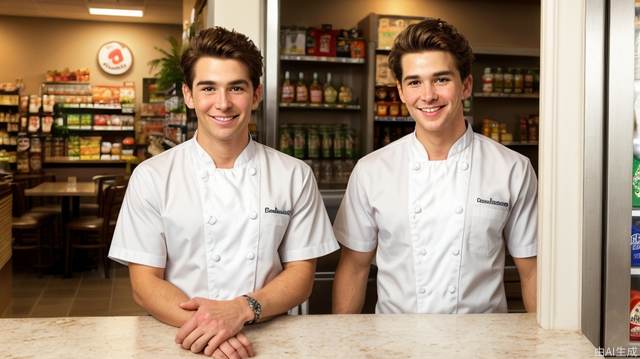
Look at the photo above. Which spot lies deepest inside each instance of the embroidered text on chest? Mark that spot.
(278, 211)
(493, 202)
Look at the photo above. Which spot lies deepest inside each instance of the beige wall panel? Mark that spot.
(31, 46)
(514, 24)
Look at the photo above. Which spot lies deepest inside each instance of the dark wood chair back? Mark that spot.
(113, 198)
(20, 206)
(101, 182)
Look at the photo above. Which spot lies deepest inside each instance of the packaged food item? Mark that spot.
(635, 245)
(634, 315)
(330, 93)
(635, 184)
(127, 93)
(288, 90)
(302, 93)
(343, 45)
(294, 41)
(345, 95)
(315, 90)
(326, 41)
(34, 124)
(286, 142)
(498, 80)
(508, 81)
(35, 102)
(528, 81)
(47, 123)
(357, 44)
(487, 80)
(518, 81)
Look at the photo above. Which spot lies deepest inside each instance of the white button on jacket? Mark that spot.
(202, 223)
(480, 198)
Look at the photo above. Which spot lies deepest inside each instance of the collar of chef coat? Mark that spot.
(420, 152)
(205, 160)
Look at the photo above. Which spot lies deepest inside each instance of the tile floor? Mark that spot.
(85, 294)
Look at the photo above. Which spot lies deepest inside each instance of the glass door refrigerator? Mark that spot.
(611, 230)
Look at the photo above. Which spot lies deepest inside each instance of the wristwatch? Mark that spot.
(256, 307)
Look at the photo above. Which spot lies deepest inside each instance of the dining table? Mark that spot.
(69, 194)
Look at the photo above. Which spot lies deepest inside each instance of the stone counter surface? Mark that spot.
(313, 336)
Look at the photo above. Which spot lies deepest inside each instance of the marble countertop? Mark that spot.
(311, 336)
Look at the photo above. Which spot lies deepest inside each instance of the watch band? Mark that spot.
(256, 307)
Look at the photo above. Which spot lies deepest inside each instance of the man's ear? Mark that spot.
(399, 86)
(257, 97)
(188, 97)
(467, 87)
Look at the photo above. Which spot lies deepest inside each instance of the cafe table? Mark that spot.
(70, 199)
(69, 193)
(303, 336)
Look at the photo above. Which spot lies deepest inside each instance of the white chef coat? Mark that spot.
(221, 233)
(440, 227)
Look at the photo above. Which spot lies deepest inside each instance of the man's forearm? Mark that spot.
(291, 287)
(161, 299)
(349, 287)
(529, 293)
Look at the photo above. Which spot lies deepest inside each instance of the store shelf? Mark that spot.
(66, 160)
(505, 95)
(340, 60)
(309, 106)
(67, 83)
(393, 119)
(102, 128)
(97, 106)
(501, 51)
(516, 143)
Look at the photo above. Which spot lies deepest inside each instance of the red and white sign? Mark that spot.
(115, 58)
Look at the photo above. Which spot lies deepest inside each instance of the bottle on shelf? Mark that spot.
(288, 90)
(487, 80)
(330, 93)
(508, 81)
(498, 80)
(528, 81)
(345, 96)
(315, 90)
(394, 104)
(302, 92)
(518, 81)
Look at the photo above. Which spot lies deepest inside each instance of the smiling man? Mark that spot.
(221, 231)
(436, 207)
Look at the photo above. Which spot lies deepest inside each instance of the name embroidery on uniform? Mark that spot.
(491, 201)
(278, 211)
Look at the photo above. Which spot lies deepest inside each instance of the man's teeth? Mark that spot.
(224, 118)
(430, 109)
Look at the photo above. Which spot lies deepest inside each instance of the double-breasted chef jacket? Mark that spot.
(220, 233)
(440, 227)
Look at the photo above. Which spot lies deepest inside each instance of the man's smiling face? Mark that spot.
(222, 96)
(433, 91)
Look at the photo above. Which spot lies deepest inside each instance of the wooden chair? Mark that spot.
(91, 209)
(29, 228)
(95, 232)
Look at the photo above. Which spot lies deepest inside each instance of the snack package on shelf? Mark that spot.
(128, 93)
(34, 124)
(106, 94)
(47, 123)
(90, 147)
(73, 147)
(35, 103)
(86, 121)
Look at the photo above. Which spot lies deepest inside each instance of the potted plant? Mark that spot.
(169, 71)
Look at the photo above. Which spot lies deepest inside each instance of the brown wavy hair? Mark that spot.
(222, 43)
(431, 34)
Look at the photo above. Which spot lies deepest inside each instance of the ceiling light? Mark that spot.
(114, 12)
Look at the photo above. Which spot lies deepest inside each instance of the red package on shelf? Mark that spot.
(634, 315)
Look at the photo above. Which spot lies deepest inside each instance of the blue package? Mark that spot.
(635, 246)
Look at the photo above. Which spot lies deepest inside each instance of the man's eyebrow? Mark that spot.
(232, 83)
(435, 74)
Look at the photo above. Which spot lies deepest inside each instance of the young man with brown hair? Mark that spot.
(437, 206)
(221, 231)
